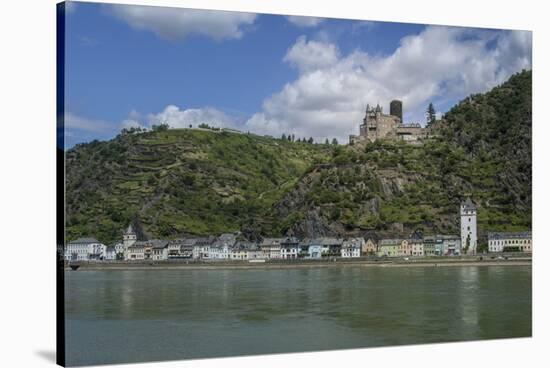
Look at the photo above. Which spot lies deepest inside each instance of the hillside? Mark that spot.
(179, 181)
(195, 182)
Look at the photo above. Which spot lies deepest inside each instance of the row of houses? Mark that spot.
(510, 242)
(231, 246)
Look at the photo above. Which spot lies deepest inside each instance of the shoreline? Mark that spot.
(288, 265)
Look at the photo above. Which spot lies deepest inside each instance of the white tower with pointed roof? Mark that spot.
(468, 227)
(129, 237)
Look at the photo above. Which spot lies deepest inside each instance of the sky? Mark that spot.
(129, 66)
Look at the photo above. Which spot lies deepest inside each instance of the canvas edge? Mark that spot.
(60, 183)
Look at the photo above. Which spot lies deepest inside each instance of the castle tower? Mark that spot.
(468, 227)
(129, 237)
(396, 109)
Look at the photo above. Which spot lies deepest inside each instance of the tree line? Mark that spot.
(292, 138)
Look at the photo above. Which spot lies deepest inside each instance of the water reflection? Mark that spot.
(468, 297)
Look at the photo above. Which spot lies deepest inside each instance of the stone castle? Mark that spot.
(377, 125)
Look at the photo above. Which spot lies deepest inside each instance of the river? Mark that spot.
(123, 316)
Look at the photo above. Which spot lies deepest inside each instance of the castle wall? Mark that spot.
(379, 126)
(410, 133)
(387, 126)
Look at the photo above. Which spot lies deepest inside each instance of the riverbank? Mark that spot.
(520, 261)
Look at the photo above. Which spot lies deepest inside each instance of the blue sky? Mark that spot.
(269, 74)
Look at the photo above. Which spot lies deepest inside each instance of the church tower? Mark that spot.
(129, 237)
(468, 227)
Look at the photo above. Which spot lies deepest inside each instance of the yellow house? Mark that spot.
(389, 247)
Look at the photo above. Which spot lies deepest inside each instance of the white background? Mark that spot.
(27, 180)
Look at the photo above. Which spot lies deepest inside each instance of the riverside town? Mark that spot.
(233, 247)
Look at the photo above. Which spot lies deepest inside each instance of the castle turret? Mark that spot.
(378, 112)
(396, 109)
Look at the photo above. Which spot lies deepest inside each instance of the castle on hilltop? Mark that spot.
(377, 125)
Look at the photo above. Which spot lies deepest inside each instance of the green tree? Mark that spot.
(482, 247)
(334, 141)
(467, 244)
(430, 114)
(160, 128)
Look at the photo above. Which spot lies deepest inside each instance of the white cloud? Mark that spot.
(307, 56)
(301, 21)
(178, 118)
(440, 65)
(176, 24)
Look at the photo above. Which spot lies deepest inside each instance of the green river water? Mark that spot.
(115, 316)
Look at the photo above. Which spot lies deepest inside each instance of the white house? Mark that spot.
(271, 247)
(468, 227)
(351, 248)
(160, 250)
(418, 249)
(416, 242)
(289, 248)
(84, 249)
(222, 247)
(201, 248)
(186, 248)
(120, 249)
(174, 248)
(218, 251)
(510, 242)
